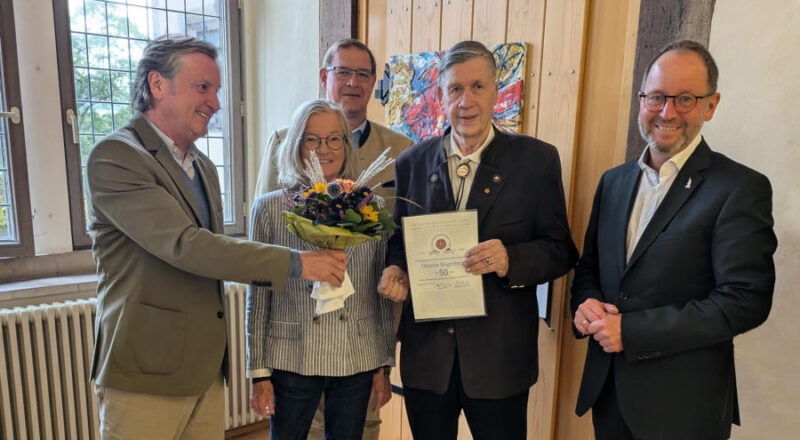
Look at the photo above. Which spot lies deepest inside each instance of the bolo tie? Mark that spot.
(462, 171)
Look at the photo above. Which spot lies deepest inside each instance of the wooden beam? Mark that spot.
(660, 23)
(338, 19)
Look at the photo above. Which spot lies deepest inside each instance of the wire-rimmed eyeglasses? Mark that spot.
(344, 73)
(684, 103)
(334, 142)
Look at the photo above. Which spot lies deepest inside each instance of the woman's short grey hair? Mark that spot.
(164, 55)
(464, 51)
(290, 152)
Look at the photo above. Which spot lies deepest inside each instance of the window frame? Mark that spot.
(16, 135)
(232, 36)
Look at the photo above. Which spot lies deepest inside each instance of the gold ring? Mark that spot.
(584, 322)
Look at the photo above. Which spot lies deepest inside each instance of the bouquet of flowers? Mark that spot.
(337, 215)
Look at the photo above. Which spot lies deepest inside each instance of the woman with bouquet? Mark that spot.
(297, 351)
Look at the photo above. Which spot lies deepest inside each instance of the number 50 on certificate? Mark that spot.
(435, 248)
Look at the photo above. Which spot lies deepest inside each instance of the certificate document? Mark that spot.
(435, 246)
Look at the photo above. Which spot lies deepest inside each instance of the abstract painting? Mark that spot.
(412, 104)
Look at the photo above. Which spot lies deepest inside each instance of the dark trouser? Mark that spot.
(606, 416)
(435, 416)
(297, 398)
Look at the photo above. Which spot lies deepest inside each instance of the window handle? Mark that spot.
(15, 115)
(72, 120)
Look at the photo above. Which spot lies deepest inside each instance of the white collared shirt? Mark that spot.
(653, 186)
(185, 161)
(455, 158)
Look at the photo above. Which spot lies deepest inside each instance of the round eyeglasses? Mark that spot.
(334, 142)
(684, 103)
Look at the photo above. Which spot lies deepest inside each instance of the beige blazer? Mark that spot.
(160, 325)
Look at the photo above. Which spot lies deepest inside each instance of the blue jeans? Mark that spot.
(297, 398)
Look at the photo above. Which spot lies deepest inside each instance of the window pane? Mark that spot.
(195, 6)
(107, 44)
(82, 84)
(79, 58)
(176, 23)
(77, 21)
(96, 17)
(117, 20)
(175, 5)
(212, 7)
(121, 87)
(100, 85)
(98, 51)
(119, 57)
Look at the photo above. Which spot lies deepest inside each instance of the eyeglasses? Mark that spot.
(344, 73)
(334, 142)
(684, 103)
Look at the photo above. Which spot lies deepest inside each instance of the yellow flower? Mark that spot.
(369, 213)
(320, 187)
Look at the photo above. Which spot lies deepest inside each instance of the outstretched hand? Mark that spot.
(324, 265)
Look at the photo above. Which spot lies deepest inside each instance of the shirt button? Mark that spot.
(623, 296)
(451, 330)
(343, 317)
(220, 315)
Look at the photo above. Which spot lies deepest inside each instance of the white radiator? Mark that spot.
(45, 356)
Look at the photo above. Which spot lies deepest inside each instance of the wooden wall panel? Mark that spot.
(562, 57)
(426, 25)
(398, 27)
(456, 22)
(372, 31)
(489, 21)
(602, 138)
(526, 24)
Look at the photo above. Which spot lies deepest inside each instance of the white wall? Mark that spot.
(281, 49)
(285, 32)
(757, 48)
(41, 108)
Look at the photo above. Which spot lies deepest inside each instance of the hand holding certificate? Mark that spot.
(436, 245)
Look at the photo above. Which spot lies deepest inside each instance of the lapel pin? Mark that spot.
(496, 178)
(689, 183)
(434, 178)
(486, 190)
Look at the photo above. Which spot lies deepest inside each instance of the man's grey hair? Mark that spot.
(464, 51)
(683, 46)
(290, 152)
(346, 44)
(164, 55)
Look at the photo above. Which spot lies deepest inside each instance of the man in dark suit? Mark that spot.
(483, 365)
(157, 231)
(677, 261)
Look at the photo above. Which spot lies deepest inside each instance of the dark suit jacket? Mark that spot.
(160, 326)
(701, 274)
(519, 197)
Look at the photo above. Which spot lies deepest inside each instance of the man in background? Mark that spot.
(348, 76)
(156, 226)
(677, 261)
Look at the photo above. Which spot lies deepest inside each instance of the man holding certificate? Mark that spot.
(506, 190)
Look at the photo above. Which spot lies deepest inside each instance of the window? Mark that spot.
(16, 229)
(99, 44)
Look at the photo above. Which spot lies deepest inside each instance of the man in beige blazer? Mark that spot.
(348, 76)
(156, 210)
